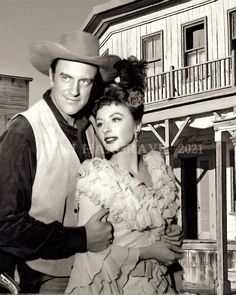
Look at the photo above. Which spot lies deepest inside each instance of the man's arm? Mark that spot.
(21, 234)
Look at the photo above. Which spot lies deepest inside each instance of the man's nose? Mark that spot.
(75, 89)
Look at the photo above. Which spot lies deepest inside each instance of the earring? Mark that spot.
(136, 134)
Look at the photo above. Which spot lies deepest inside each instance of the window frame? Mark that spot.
(229, 26)
(151, 36)
(184, 28)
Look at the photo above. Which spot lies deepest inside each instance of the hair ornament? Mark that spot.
(132, 79)
(135, 98)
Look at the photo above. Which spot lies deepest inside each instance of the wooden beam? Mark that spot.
(180, 130)
(172, 110)
(232, 133)
(167, 142)
(221, 223)
(167, 133)
(157, 134)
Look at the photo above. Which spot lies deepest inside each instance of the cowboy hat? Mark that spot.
(74, 46)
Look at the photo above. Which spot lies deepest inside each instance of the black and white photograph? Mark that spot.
(118, 147)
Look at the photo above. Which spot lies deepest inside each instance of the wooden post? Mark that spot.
(233, 67)
(167, 142)
(233, 139)
(223, 287)
(172, 82)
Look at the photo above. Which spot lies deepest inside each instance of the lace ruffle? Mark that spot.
(130, 201)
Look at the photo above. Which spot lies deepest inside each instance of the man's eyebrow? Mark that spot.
(65, 74)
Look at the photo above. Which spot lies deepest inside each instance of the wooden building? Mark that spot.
(190, 114)
(14, 97)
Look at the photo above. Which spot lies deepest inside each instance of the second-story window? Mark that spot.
(194, 43)
(152, 52)
(232, 29)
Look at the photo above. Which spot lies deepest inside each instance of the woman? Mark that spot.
(139, 192)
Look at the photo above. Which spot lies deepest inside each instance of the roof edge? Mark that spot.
(115, 11)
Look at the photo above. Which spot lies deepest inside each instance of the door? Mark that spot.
(206, 203)
(189, 197)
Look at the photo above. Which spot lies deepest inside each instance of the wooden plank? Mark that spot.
(180, 130)
(182, 107)
(2, 124)
(13, 91)
(221, 225)
(156, 134)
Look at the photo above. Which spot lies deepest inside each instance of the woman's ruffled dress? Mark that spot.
(140, 215)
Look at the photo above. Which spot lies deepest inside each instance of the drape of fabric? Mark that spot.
(139, 214)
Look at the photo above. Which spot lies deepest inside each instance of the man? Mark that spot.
(40, 153)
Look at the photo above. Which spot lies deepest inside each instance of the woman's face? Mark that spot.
(115, 127)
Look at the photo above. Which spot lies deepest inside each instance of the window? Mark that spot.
(194, 43)
(232, 29)
(152, 52)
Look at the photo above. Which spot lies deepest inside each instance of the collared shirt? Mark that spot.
(21, 234)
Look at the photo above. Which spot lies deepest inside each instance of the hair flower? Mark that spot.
(135, 98)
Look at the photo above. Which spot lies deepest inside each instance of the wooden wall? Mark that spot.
(14, 97)
(124, 39)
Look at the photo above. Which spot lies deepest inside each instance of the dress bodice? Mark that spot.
(131, 202)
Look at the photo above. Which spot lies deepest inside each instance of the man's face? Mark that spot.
(71, 85)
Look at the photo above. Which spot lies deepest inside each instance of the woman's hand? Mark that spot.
(164, 252)
(174, 235)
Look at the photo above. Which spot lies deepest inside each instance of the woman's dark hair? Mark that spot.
(96, 91)
(116, 94)
(129, 91)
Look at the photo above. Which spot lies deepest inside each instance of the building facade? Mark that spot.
(14, 97)
(190, 115)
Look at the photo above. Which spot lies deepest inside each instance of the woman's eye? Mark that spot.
(99, 125)
(116, 119)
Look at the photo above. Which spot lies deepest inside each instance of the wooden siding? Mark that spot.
(13, 92)
(14, 97)
(124, 38)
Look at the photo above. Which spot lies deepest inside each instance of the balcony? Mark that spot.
(188, 81)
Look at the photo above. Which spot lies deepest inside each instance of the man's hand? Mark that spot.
(163, 252)
(174, 235)
(98, 231)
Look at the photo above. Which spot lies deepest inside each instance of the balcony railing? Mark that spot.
(212, 75)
